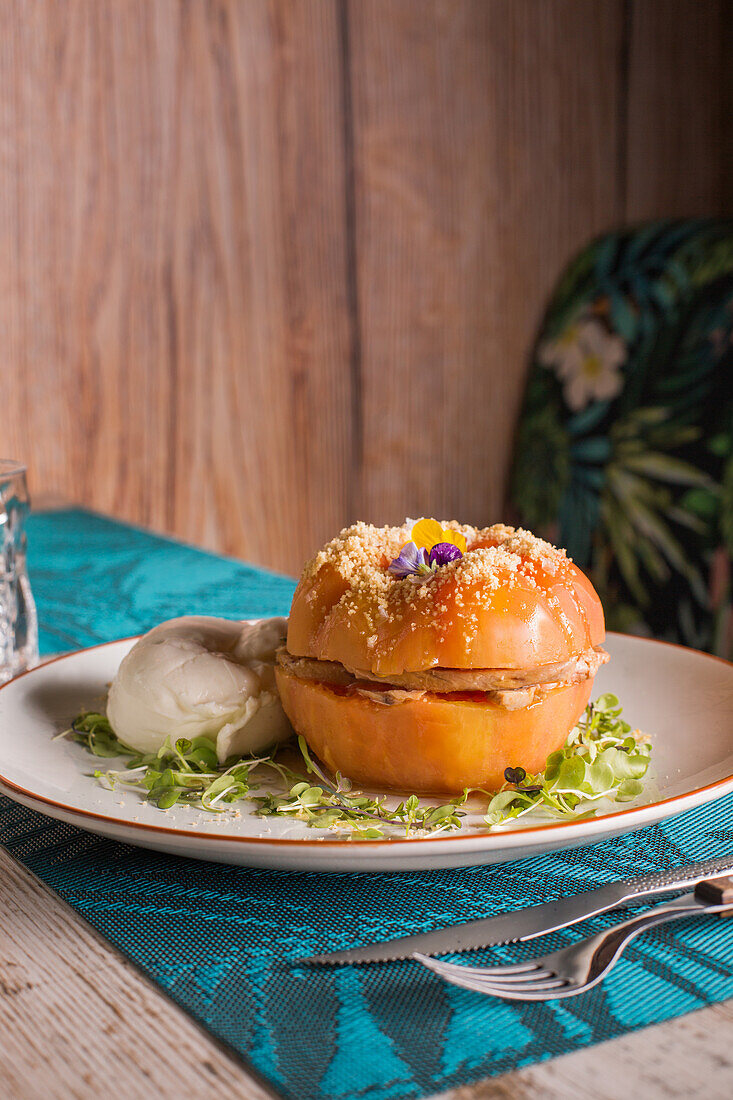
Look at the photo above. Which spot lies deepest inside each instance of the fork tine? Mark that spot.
(533, 966)
(520, 995)
(514, 993)
(531, 979)
(553, 982)
(524, 980)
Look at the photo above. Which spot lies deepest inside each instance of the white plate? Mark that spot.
(682, 698)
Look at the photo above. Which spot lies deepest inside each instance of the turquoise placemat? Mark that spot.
(224, 941)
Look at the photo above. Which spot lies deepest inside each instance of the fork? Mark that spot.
(573, 969)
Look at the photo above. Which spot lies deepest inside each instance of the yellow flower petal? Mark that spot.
(427, 533)
(455, 538)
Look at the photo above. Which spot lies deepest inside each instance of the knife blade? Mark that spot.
(532, 920)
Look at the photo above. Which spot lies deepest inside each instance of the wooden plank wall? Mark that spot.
(269, 266)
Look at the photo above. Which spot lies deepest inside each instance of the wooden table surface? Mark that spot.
(78, 1021)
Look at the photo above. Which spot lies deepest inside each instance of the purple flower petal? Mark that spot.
(412, 560)
(443, 552)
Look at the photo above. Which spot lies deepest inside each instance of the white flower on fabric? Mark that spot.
(587, 358)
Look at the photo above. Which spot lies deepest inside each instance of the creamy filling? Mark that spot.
(508, 688)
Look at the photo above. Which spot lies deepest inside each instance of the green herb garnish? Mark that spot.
(602, 760)
(189, 772)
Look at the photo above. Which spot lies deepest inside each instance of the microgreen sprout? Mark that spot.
(602, 759)
(335, 804)
(189, 772)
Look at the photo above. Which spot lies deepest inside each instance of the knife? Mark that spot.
(533, 920)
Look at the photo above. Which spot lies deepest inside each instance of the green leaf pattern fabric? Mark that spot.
(624, 449)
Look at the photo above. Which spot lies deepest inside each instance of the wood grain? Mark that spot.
(172, 222)
(485, 154)
(270, 266)
(80, 1023)
(678, 120)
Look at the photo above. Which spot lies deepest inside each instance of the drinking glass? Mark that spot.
(18, 624)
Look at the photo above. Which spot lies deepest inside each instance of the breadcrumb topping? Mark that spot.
(496, 557)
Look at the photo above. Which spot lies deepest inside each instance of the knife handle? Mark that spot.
(716, 891)
(676, 878)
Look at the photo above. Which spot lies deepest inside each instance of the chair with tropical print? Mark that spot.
(624, 450)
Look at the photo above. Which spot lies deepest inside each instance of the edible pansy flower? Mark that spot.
(412, 561)
(430, 547)
(443, 552)
(428, 533)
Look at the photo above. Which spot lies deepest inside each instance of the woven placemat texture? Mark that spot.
(224, 941)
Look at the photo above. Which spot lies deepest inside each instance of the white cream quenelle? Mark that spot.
(198, 676)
